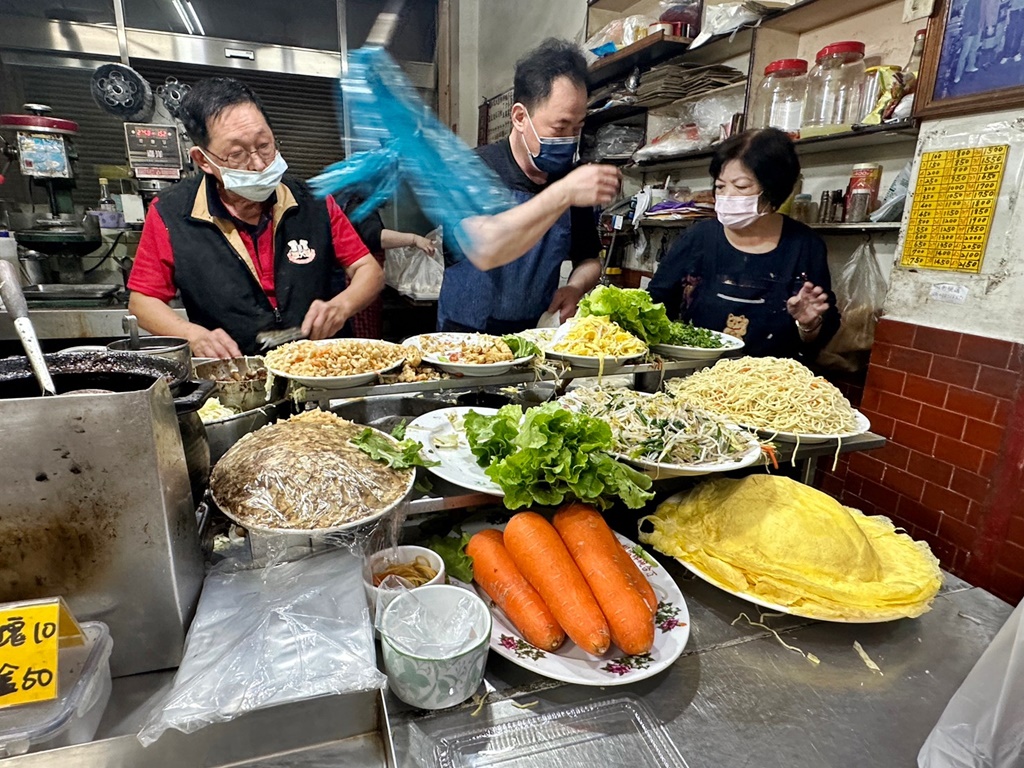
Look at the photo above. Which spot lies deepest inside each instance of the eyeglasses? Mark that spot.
(239, 159)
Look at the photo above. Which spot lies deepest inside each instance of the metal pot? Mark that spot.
(166, 347)
(224, 433)
(123, 372)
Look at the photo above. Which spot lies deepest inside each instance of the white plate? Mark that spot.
(571, 665)
(863, 425)
(586, 361)
(458, 465)
(660, 471)
(680, 352)
(338, 382)
(464, 369)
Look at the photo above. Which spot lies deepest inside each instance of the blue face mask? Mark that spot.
(252, 185)
(557, 155)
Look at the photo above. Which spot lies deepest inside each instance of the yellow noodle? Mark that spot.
(418, 572)
(769, 393)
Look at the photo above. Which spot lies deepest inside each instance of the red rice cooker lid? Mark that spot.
(39, 123)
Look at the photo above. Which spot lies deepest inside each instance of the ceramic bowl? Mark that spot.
(434, 681)
(402, 554)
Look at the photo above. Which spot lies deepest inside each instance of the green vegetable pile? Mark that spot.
(550, 454)
(633, 310)
(689, 335)
(401, 456)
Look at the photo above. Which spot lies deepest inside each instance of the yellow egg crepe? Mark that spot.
(786, 543)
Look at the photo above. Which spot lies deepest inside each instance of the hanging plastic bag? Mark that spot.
(981, 725)
(414, 272)
(860, 293)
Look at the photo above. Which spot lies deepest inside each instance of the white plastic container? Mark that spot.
(74, 716)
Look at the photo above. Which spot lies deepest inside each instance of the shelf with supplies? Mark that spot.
(903, 132)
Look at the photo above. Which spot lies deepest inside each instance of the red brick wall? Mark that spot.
(952, 474)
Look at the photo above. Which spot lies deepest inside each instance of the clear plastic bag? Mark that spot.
(616, 35)
(266, 637)
(414, 272)
(618, 140)
(403, 140)
(860, 293)
(981, 725)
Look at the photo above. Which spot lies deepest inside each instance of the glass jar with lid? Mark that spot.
(779, 102)
(835, 89)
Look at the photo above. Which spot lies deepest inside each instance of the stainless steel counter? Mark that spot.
(71, 323)
(737, 697)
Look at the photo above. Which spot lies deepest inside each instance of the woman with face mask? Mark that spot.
(752, 272)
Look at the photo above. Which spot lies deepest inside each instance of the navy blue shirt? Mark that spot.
(705, 280)
(514, 296)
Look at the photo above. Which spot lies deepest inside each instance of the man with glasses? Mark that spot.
(248, 249)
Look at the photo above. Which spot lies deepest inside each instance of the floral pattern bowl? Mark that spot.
(435, 680)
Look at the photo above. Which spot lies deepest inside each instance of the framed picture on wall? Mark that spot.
(973, 59)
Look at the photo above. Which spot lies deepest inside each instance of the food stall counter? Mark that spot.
(737, 696)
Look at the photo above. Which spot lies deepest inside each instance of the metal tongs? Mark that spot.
(267, 340)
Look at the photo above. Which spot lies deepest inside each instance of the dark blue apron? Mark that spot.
(509, 298)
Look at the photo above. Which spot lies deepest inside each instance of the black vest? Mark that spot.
(217, 287)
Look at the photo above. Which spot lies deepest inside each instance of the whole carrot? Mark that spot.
(540, 555)
(599, 556)
(498, 576)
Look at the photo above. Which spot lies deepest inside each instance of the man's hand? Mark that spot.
(324, 319)
(565, 301)
(809, 305)
(591, 185)
(423, 244)
(218, 343)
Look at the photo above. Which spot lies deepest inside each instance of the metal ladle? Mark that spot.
(17, 308)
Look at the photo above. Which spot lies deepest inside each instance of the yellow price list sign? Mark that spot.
(31, 635)
(954, 203)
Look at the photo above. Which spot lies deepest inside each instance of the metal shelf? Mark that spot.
(867, 226)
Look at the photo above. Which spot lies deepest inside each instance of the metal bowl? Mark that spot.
(238, 386)
(171, 348)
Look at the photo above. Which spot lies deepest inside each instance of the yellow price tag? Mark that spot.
(31, 635)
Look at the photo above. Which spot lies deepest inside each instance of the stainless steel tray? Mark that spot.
(61, 292)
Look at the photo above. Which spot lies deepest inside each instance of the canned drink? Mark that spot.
(867, 176)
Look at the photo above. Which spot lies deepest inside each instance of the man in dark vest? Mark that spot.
(248, 249)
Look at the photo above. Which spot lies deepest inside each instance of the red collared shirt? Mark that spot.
(153, 271)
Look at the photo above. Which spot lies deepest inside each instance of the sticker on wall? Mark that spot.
(954, 202)
(948, 293)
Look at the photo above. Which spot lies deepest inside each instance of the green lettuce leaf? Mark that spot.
(401, 456)
(520, 347)
(630, 308)
(452, 550)
(553, 455)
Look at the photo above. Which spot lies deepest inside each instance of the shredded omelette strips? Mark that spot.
(597, 336)
(789, 544)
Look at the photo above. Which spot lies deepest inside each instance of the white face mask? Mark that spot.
(252, 185)
(738, 211)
